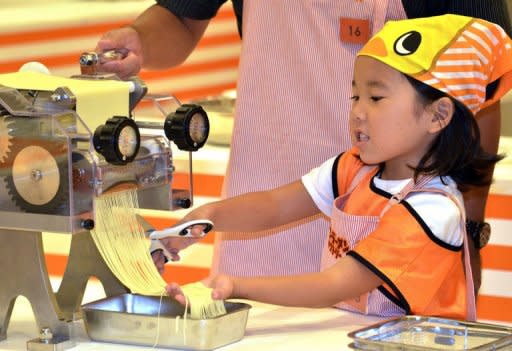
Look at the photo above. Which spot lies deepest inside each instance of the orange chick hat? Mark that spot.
(455, 54)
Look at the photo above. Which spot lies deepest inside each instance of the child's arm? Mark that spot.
(347, 279)
(250, 212)
(258, 210)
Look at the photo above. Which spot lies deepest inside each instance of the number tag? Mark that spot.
(354, 31)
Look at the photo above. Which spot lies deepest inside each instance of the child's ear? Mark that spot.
(442, 113)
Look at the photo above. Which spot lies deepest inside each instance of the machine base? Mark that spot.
(53, 344)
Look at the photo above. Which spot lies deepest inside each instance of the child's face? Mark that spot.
(387, 123)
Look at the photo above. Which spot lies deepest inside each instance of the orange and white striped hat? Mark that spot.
(455, 54)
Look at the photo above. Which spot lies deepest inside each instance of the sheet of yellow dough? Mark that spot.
(97, 100)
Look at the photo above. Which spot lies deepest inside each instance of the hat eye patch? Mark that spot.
(407, 43)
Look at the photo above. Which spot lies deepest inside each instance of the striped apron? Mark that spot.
(293, 101)
(347, 230)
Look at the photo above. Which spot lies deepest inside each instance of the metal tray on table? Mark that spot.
(430, 333)
(135, 319)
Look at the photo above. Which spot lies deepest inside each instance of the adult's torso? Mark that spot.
(292, 114)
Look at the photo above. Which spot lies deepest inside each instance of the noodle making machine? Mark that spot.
(64, 142)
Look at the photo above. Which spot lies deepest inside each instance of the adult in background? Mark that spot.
(290, 113)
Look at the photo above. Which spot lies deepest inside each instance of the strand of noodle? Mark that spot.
(122, 243)
(185, 321)
(177, 321)
(158, 320)
(118, 228)
(202, 305)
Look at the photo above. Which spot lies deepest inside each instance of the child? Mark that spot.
(397, 220)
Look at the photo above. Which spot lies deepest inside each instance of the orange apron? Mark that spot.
(347, 230)
(293, 101)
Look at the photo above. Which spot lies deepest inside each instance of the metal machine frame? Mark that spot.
(24, 271)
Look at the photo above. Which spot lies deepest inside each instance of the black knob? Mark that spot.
(183, 203)
(118, 140)
(87, 224)
(188, 127)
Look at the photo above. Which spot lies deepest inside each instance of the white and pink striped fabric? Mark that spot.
(292, 114)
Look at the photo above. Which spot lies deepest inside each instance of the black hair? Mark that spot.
(456, 151)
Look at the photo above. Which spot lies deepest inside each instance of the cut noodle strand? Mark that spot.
(122, 243)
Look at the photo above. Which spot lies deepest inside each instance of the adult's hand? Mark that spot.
(122, 38)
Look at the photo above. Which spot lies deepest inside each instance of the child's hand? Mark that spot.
(222, 286)
(174, 291)
(175, 245)
(159, 260)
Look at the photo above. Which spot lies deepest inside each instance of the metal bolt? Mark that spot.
(45, 335)
(88, 58)
(36, 175)
(55, 97)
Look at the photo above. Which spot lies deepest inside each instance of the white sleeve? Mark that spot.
(441, 215)
(318, 183)
(438, 211)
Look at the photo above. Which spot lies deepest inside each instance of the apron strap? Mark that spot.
(420, 186)
(402, 194)
(470, 286)
(358, 177)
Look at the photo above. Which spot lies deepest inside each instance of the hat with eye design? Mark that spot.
(458, 55)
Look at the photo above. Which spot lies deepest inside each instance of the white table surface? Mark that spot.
(269, 327)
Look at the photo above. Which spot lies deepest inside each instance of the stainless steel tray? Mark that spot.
(133, 319)
(430, 333)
